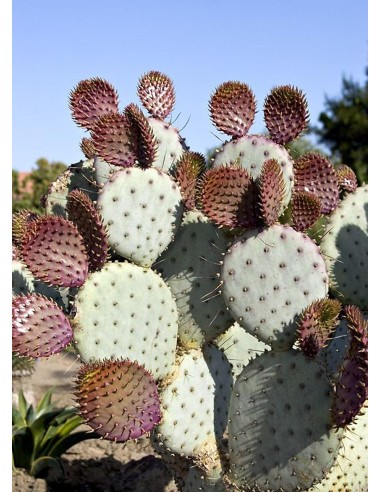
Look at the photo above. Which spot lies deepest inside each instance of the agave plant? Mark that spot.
(42, 433)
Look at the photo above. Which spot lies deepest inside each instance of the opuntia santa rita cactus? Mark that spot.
(203, 311)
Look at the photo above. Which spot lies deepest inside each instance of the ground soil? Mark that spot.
(93, 465)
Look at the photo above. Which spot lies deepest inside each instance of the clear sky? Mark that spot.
(198, 43)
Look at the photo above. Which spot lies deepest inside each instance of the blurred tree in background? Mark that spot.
(344, 127)
(28, 192)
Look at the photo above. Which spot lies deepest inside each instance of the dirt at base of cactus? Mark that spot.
(94, 465)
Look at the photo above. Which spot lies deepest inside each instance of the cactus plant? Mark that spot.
(203, 309)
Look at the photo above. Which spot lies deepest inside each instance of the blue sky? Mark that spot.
(199, 44)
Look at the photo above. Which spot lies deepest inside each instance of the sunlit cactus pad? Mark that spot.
(126, 311)
(269, 276)
(280, 435)
(142, 209)
(350, 471)
(345, 248)
(195, 403)
(170, 146)
(239, 347)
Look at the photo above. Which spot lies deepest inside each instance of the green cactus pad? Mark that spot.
(268, 278)
(118, 399)
(126, 311)
(251, 152)
(190, 266)
(280, 436)
(350, 471)
(79, 176)
(103, 170)
(171, 146)
(142, 209)
(39, 327)
(239, 347)
(195, 403)
(345, 249)
(196, 479)
(23, 282)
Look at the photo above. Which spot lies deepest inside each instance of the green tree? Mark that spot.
(40, 178)
(344, 127)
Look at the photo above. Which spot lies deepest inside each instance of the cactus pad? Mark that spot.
(190, 266)
(279, 424)
(81, 176)
(54, 252)
(251, 152)
(157, 94)
(286, 113)
(315, 173)
(232, 108)
(126, 311)
(83, 213)
(39, 327)
(115, 140)
(195, 403)
(350, 471)
(345, 248)
(118, 399)
(229, 197)
(268, 278)
(171, 146)
(142, 210)
(90, 99)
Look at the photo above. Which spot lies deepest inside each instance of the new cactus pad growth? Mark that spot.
(118, 399)
(202, 309)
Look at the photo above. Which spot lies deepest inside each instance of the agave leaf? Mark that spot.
(45, 403)
(68, 441)
(41, 466)
(17, 419)
(58, 430)
(39, 428)
(30, 415)
(22, 448)
(22, 404)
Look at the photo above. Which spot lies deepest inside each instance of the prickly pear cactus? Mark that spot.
(205, 310)
(280, 436)
(268, 277)
(345, 248)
